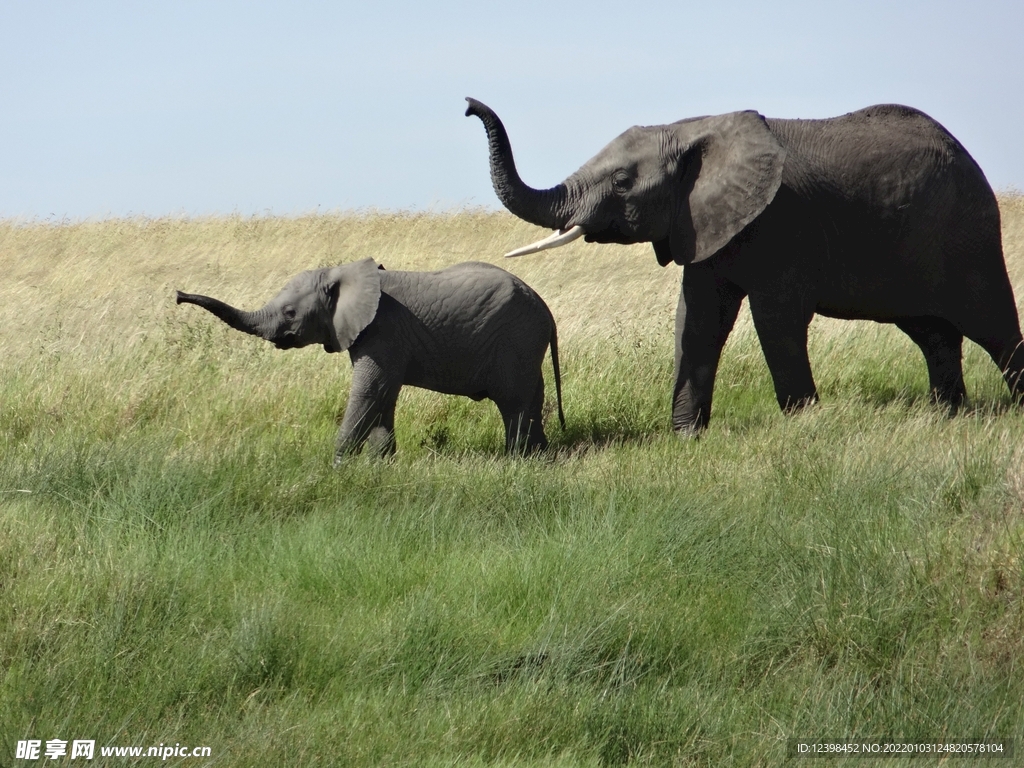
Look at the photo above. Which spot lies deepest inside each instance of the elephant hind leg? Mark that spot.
(942, 344)
(990, 320)
(524, 426)
(1012, 366)
(1008, 354)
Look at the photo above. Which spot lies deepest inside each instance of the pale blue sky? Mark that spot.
(193, 108)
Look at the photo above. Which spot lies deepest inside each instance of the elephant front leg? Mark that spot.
(781, 327)
(705, 316)
(369, 416)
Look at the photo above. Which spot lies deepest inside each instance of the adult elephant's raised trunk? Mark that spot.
(545, 207)
(253, 323)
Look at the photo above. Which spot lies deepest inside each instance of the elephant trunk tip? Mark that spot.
(475, 107)
(179, 297)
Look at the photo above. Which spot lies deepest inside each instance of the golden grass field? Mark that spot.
(68, 286)
(61, 281)
(95, 289)
(87, 288)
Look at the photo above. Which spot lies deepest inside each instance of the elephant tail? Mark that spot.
(558, 374)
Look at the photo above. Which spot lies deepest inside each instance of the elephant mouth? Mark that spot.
(613, 233)
(288, 341)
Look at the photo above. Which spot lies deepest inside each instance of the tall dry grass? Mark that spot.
(63, 282)
(67, 287)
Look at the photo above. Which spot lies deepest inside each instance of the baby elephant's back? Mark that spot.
(476, 327)
(469, 302)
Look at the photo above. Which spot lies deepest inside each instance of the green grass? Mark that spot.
(179, 562)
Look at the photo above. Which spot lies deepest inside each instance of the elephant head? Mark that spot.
(322, 306)
(687, 187)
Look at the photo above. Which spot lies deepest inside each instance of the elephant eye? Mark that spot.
(289, 313)
(622, 182)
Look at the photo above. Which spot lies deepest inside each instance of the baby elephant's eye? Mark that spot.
(289, 313)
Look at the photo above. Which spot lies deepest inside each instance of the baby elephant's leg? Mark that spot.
(369, 418)
(524, 424)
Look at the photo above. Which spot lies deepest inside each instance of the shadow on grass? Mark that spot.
(987, 406)
(574, 443)
(916, 399)
(581, 439)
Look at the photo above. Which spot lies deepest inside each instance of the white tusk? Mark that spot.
(555, 239)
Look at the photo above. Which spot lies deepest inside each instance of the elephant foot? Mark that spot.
(691, 410)
(380, 443)
(952, 410)
(688, 430)
(690, 423)
(951, 402)
(527, 448)
(795, 404)
(524, 435)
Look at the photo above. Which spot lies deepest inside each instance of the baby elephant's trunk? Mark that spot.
(246, 322)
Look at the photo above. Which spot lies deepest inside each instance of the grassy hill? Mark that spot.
(180, 564)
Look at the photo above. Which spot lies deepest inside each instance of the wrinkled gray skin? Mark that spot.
(472, 329)
(878, 215)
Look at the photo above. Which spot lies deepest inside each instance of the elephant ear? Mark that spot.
(730, 171)
(355, 292)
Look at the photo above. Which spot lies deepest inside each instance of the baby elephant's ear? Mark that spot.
(355, 289)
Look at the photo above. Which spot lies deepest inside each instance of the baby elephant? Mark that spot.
(472, 329)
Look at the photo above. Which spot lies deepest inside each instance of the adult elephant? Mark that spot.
(879, 215)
